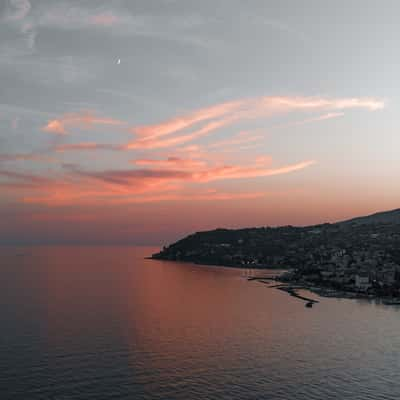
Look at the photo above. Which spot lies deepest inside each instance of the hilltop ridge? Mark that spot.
(389, 217)
(359, 254)
(267, 245)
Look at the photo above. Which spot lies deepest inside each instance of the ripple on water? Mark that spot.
(103, 323)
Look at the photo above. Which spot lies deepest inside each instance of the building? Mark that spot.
(362, 282)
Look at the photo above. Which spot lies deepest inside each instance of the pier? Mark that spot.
(291, 290)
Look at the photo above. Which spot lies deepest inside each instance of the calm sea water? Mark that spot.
(104, 323)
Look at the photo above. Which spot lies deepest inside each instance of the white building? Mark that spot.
(362, 282)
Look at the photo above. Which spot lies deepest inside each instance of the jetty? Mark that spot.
(291, 290)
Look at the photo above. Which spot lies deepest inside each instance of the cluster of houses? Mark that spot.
(352, 257)
(361, 270)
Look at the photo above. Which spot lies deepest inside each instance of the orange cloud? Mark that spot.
(156, 142)
(186, 128)
(78, 186)
(159, 177)
(82, 120)
(55, 126)
(186, 121)
(177, 131)
(240, 172)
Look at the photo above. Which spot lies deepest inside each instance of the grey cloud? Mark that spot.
(23, 177)
(17, 35)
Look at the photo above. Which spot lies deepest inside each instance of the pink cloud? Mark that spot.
(83, 120)
(55, 126)
(177, 131)
(76, 186)
(103, 20)
(240, 172)
(260, 168)
(170, 175)
(156, 142)
(186, 121)
(194, 125)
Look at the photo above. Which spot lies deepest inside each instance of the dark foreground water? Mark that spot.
(103, 323)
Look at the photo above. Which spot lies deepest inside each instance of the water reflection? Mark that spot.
(88, 322)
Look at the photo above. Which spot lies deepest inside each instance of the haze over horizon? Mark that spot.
(140, 122)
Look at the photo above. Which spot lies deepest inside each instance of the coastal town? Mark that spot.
(358, 257)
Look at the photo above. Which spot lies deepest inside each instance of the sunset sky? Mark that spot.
(142, 121)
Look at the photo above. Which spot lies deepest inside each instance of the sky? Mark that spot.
(138, 122)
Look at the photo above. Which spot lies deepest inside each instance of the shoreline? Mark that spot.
(291, 287)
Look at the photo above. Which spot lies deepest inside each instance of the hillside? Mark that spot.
(288, 246)
(359, 255)
(386, 217)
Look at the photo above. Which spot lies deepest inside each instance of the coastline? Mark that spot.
(293, 286)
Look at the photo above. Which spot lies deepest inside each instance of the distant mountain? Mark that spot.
(386, 217)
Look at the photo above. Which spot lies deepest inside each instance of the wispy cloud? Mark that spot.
(23, 177)
(18, 9)
(157, 140)
(68, 198)
(179, 130)
(156, 176)
(171, 162)
(83, 120)
(242, 138)
(202, 196)
(186, 121)
(86, 146)
(241, 172)
(323, 117)
(25, 157)
(20, 33)
(111, 17)
(156, 181)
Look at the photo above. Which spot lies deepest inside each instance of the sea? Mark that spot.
(104, 322)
